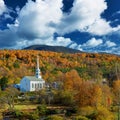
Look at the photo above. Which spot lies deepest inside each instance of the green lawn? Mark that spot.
(26, 107)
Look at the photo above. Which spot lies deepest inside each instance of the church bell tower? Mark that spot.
(38, 75)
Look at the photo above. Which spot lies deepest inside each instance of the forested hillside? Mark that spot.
(88, 85)
(14, 64)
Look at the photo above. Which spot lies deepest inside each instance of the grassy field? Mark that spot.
(26, 107)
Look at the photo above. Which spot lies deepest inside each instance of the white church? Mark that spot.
(32, 83)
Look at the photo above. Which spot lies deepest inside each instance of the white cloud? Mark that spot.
(110, 44)
(35, 24)
(74, 45)
(100, 27)
(85, 16)
(2, 7)
(117, 29)
(92, 43)
(17, 9)
(116, 13)
(7, 16)
(37, 19)
(60, 41)
(113, 50)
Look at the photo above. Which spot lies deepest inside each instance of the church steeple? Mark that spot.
(37, 69)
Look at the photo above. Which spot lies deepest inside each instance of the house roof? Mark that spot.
(33, 78)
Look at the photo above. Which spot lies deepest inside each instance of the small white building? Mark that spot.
(32, 83)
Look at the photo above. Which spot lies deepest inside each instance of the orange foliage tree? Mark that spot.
(89, 94)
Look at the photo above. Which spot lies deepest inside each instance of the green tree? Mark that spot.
(16, 64)
(8, 96)
(3, 82)
(64, 97)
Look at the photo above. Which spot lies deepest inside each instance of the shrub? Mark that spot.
(81, 118)
(69, 112)
(104, 114)
(42, 109)
(18, 113)
(53, 111)
(86, 111)
(30, 116)
(54, 117)
(34, 116)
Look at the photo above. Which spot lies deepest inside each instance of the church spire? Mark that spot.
(37, 69)
(37, 61)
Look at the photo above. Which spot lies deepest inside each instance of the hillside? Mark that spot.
(75, 74)
(52, 48)
(18, 63)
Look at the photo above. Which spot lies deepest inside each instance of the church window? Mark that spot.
(32, 85)
(40, 85)
(35, 85)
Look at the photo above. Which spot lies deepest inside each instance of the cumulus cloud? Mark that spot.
(2, 7)
(85, 16)
(113, 50)
(36, 19)
(110, 44)
(93, 43)
(35, 25)
(100, 27)
(99, 45)
(59, 41)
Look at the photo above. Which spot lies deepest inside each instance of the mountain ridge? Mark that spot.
(52, 48)
(61, 49)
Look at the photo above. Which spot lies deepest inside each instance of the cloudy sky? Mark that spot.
(86, 25)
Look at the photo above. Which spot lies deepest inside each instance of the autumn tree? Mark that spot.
(8, 96)
(107, 96)
(116, 91)
(89, 94)
(72, 80)
(64, 97)
(95, 72)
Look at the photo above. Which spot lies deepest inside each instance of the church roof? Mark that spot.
(33, 78)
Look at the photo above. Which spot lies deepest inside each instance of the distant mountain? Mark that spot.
(52, 48)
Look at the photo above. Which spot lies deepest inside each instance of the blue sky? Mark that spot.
(86, 25)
